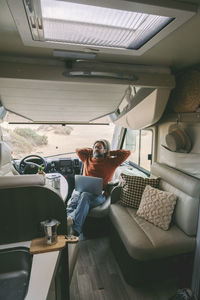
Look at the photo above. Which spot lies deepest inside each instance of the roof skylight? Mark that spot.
(81, 24)
(111, 27)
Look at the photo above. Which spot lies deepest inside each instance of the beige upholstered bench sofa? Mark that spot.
(144, 251)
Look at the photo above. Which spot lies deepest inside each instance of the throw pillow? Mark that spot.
(157, 207)
(133, 188)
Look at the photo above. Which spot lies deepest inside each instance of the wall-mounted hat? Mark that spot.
(177, 140)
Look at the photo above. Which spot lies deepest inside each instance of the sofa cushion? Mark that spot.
(143, 240)
(133, 188)
(101, 210)
(157, 207)
(187, 189)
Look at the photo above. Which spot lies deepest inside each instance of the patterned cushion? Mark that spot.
(133, 188)
(157, 207)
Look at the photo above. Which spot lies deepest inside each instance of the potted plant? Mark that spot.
(41, 170)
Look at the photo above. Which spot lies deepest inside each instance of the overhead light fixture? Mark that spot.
(73, 55)
(100, 75)
(122, 27)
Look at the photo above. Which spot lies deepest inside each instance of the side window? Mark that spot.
(131, 143)
(146, 149)
(139, 142)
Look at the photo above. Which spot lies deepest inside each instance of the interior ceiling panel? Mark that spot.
(60, 101)
(178, 50)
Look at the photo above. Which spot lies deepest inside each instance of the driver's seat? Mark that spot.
(6, 166)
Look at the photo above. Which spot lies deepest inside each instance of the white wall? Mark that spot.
(186, 162)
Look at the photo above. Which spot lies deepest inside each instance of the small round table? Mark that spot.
(63, 189)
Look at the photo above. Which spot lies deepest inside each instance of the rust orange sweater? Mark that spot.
(101, 167)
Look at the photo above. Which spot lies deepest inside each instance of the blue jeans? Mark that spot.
(79, 205)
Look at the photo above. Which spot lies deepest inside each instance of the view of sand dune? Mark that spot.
(80, 136)
(49, 140)
(26, 139)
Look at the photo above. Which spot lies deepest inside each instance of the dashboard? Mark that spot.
(65, 166)
(68, 167)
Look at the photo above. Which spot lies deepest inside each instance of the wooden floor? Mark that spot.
(97, 277)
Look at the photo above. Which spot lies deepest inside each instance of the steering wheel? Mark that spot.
(28, 167)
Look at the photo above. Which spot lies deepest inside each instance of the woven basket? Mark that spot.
(186, 96)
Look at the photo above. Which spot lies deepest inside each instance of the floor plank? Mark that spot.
(97, 277)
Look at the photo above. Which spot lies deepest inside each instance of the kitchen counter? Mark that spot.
(42, 271)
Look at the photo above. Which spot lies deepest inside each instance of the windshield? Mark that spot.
(50, 140)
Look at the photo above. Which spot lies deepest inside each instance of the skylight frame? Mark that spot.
(80, 24)
(181, 13)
